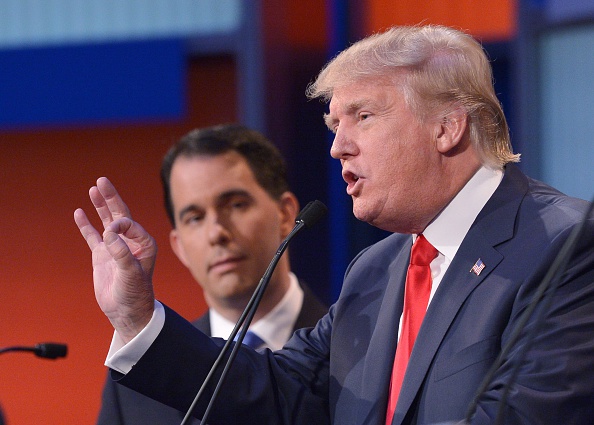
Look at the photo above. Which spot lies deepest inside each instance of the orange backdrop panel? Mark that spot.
(489, 20)
(306, 24)
(45, 266)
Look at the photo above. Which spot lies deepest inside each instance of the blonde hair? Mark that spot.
(439, 67)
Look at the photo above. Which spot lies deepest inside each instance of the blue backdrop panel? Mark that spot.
(109, 82)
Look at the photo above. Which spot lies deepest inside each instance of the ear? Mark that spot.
(452, 127)
(288, 209)
(177, 247)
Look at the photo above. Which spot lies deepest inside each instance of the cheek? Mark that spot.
(195, 251)
(265, 238)
(386, 169)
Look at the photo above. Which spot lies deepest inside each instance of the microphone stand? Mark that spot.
(308, 216)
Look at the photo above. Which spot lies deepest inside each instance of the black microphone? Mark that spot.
(309, 215)
(542, 297)
(46, 350)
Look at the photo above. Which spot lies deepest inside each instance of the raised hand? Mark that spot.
(123, 261)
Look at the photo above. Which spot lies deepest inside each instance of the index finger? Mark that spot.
(108, 202)
(86, 229)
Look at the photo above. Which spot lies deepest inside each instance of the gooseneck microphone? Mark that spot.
(46, 350)
(308, 216)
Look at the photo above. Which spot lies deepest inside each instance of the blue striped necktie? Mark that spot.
(253, 340)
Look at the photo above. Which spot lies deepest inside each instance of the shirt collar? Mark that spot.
(274, 328)
(449, 228)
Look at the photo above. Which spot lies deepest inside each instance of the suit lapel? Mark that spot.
(203, 323)
(459, 280)
(311, 311)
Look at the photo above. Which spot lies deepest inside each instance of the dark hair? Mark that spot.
(262, 156)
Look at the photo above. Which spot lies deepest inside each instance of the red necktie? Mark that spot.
(416, 298)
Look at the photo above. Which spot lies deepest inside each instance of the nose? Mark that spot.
(218, 233)
(342, 146)
(334, 149)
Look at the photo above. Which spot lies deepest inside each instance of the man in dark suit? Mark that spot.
(222, 186)
(421, 319)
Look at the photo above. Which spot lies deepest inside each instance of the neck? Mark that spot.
(275, 291)
(456, 173)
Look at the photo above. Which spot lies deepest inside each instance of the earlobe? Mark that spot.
(177, 247)
(451, 131)
(289, 208)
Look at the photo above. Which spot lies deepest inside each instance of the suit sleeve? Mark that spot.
(110, 405)
(289, 386)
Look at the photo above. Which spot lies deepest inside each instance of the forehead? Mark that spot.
(366, 92)
(375, 96)
(210, 176)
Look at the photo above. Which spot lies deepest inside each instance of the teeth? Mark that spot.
(348, 176)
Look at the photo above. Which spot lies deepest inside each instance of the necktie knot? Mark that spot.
(422, 252)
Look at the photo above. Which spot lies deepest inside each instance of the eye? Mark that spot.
(192, 218)
(239, 204)
(363, 116)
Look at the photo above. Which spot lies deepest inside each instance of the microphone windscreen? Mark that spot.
(311, 213)
(50, 350)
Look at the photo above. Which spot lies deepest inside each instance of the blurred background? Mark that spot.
(103, 87)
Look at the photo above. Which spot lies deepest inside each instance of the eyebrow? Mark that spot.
(349, 109)
(221, 200)
(329, 121)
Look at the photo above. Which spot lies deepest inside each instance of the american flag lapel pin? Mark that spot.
(478, 267)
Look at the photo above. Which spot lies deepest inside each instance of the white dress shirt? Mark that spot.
(276, 327)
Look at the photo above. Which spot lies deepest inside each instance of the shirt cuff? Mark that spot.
(121, 356)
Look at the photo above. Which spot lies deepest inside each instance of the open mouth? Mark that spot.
(351, 180)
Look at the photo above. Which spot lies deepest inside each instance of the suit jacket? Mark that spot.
(123, 406)
(339, 372)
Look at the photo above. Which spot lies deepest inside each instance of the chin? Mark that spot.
(370, 216)
(361, 213)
